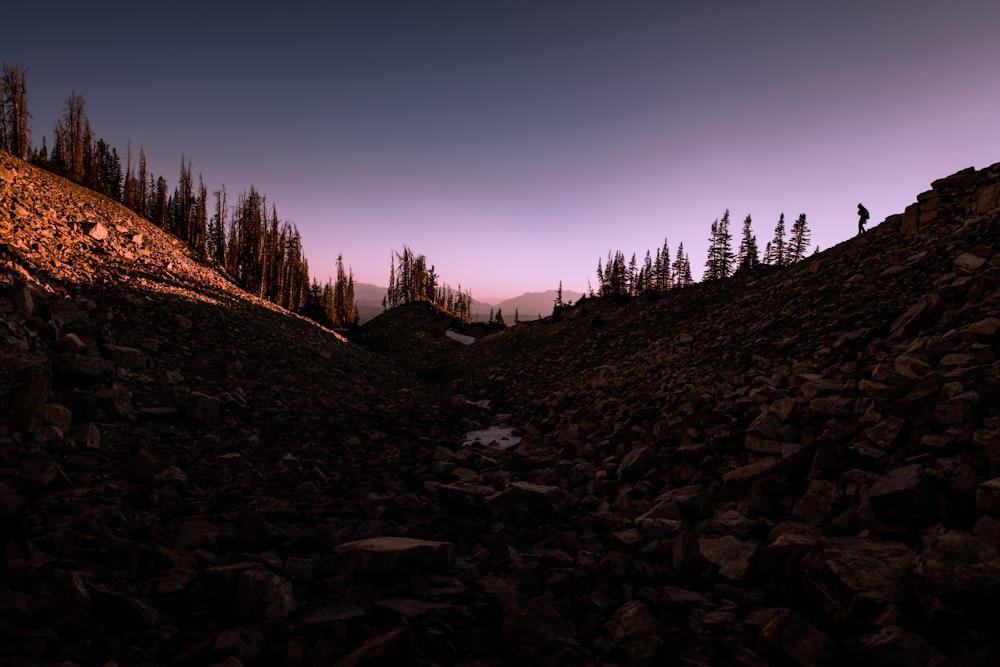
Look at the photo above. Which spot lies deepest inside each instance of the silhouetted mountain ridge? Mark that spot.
(530, 305)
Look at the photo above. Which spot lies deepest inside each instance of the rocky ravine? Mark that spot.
(794, 467)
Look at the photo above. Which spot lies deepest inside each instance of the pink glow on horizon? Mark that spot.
(514, 143)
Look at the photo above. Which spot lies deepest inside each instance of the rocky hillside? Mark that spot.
(794, 467)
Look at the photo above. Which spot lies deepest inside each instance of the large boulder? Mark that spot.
(851, 578)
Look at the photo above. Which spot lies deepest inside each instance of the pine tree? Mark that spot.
(15, 131)
(720, 251)
(632, 277)
(296, 270)
(646, 280)
(798, 244)
(345, 312)
(158, 208)
(664, 279)
(142, 192)
(749, 257)
(216, 232)
(682, 268)
(199, 229)
(391, 299)
(619, 282)
(41, 156)
(73, 139)
(727, 259)
(326, 304)
(180, 214)
(712, 262)
(128, 191)
(312, 308)
(776, 256)
(105, 171)
(245, 252)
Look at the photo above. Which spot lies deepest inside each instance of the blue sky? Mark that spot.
(515, 143)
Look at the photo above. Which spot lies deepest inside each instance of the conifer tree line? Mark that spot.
(261, 253)
(782, 252)
(264, 255)
(410, 279)
(657, 273)
(722, 262)
(332, 304)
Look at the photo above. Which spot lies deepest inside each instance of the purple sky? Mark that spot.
(515, 142)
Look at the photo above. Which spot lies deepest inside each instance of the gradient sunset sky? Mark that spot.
(515, 143)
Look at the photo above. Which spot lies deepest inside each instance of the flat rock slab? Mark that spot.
(388, 554)
(858, 574)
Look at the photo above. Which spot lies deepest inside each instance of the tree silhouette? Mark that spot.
(72, 139)
(15, 132)
(345, 312)
(663, 279)
(748, 257)
(411, 280)
(682, 268)
(216, 231)
(798, 244)
(776, 248)
(720, 251)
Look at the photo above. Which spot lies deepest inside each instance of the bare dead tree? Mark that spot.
(15, 133)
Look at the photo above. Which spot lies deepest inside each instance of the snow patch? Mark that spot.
(496, 437)
(463, 339)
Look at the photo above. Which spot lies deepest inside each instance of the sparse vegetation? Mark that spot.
(261, 252)
(410, 280)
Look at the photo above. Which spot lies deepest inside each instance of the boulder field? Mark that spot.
(794, 466)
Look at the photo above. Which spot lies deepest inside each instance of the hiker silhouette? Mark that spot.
(862, 218)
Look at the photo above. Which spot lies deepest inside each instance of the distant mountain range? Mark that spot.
(532, 305)
(368, 299)
(528, 306)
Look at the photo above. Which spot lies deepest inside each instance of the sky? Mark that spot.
(515, 143)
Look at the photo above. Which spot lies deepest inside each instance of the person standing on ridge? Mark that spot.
(862, 218)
